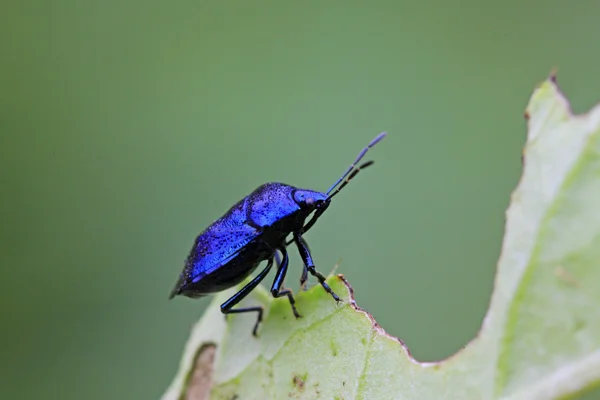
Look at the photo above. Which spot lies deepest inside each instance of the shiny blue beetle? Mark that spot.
(252, 231)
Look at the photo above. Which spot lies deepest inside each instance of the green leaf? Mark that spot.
(540, 338)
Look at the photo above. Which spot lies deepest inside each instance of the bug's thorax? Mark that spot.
(280, 206)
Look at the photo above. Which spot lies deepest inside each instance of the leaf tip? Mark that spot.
(547, 104)
(553, 74)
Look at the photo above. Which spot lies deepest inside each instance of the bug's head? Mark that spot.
(310, 200)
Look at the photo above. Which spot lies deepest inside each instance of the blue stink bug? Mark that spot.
(251, 232)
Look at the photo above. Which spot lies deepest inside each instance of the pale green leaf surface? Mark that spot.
(540, 338)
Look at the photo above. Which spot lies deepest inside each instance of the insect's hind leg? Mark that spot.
(310, 265)
(276, 290)
(226, 307)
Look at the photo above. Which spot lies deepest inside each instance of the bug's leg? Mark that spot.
(312, 221)
(310, 265)
(315, 217)
(278, 259)
(276, 290)
(303, 279)
(304, 276)
(226, 308)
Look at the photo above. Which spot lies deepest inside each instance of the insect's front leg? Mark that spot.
(312, 221)
(315, 217)
(276, 290)
(310, 265)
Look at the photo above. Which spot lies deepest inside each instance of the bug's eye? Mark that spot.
(310, 201)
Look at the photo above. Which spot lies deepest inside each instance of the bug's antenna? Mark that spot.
(350, 173)
(353, 170)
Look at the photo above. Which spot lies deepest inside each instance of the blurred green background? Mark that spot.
(127, 127)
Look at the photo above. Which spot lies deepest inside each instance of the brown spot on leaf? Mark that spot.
(298, 382)
(200, 381)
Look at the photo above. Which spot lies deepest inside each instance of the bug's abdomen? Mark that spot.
(232, 270)
(218, 254)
